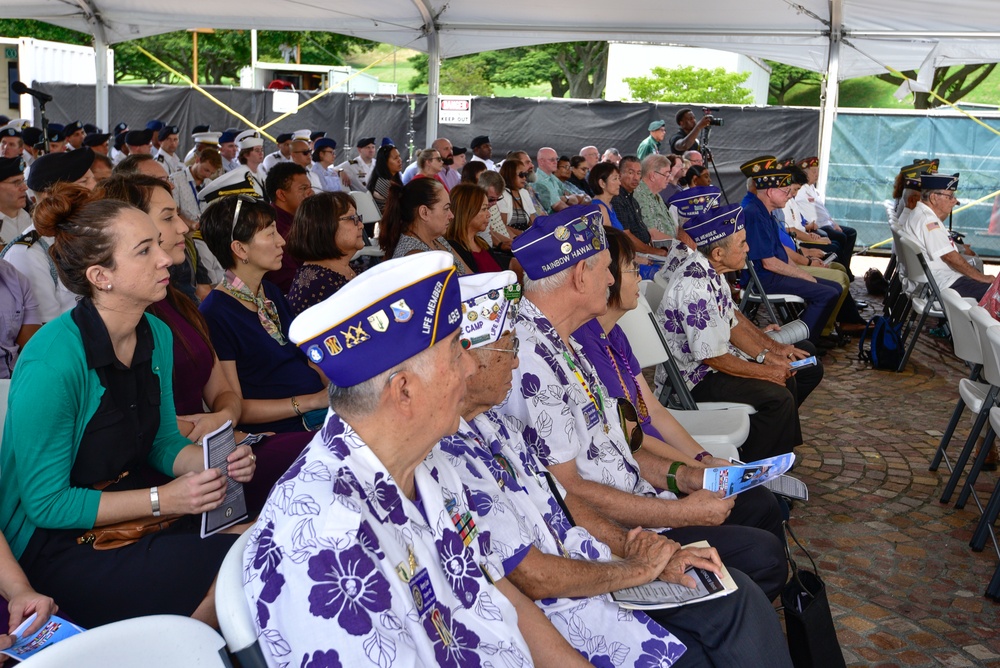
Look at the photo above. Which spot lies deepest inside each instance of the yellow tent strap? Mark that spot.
(201, 90)
(941, 99)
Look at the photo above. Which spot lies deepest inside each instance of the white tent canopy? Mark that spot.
(841, 38)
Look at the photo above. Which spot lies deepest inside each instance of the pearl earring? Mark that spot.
(108, 288)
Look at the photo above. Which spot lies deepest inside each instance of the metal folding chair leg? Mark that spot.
(977, 466)
(913, 340)
(993, 590)
(948, 433)
(990, 513)
(970, 443)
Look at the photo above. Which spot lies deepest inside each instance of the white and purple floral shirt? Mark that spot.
(563, 419)
(344, 570)
(512, 495)
(697, 314)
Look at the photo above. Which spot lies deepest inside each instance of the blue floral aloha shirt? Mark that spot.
(512, 495)
(343, 570)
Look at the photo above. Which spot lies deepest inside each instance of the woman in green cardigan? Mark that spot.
(91, 437)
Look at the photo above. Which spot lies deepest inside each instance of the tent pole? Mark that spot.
(830, 95)
(433, 85)
(101, 111)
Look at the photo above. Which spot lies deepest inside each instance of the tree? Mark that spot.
(46, 31)
(785, 77)
(577, 68)
(691, 84)
(950, 83)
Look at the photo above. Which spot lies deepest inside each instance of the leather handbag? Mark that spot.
(812, 637)
(120, 534)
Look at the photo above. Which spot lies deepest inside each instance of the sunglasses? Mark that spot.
(523, 175)
(236, 214)
(626, 414)
(305, 152)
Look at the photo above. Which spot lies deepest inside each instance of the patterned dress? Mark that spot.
(311, 285)
(342, 569)
(512, 495)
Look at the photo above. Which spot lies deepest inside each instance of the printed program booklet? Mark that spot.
(660, 595)
(785, 485)
(217, 446)
(53, 631)
(741, 477)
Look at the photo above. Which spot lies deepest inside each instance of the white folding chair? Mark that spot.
(4, 392)
(370, 216)
(925, 297)
(719, 431)
(233, 611)
(984, 325)
(157, 641)
(971, 392)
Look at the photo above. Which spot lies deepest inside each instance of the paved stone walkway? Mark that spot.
(904, 586)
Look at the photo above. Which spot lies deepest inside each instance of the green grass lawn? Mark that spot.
(873, 93)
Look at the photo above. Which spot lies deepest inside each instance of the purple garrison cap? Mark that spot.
(390, 313)
(559, 241)
(693, 201)
(715, 224)
(939, 181)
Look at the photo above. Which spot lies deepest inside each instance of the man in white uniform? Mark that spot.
(359, 169)
(13, 218)
(924, 225)
(169, 137)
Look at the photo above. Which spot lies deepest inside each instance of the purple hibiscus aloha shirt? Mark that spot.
(697, 314)
(344, 570)
(512, 496)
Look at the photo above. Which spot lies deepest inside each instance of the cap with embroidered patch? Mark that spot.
(715, 224)
(388, 314)
(489, 306)
(238, 181)
(557, 242)
(693, 201)
(758, 164)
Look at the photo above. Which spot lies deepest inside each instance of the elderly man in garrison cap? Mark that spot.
(370, 547)
(564, 568)
(924, 225)
(721, 354)
(29, 252)
(566, 416)
(777, 273)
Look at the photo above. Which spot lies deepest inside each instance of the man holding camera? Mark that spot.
(686, 139)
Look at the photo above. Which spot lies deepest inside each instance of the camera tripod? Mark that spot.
(706, 153)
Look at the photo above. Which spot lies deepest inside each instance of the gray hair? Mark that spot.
(653, 163)
(361, 400)
(555, 281)
(490, 179)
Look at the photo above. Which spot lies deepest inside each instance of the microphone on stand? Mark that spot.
(19, 88)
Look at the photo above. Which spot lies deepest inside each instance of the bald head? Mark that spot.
(547, 160)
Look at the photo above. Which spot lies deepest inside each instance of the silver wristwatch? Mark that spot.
(760, 358)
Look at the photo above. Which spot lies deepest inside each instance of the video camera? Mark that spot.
(718, 122)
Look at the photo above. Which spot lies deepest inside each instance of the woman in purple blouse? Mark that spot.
(606, 346)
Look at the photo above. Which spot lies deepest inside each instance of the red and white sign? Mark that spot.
(455, 110)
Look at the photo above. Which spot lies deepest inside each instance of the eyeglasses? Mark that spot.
(493, 200)
(513, 349)
(633, 270)
(948, 195)
(17, 184)
(356, 219)
(666, 176)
